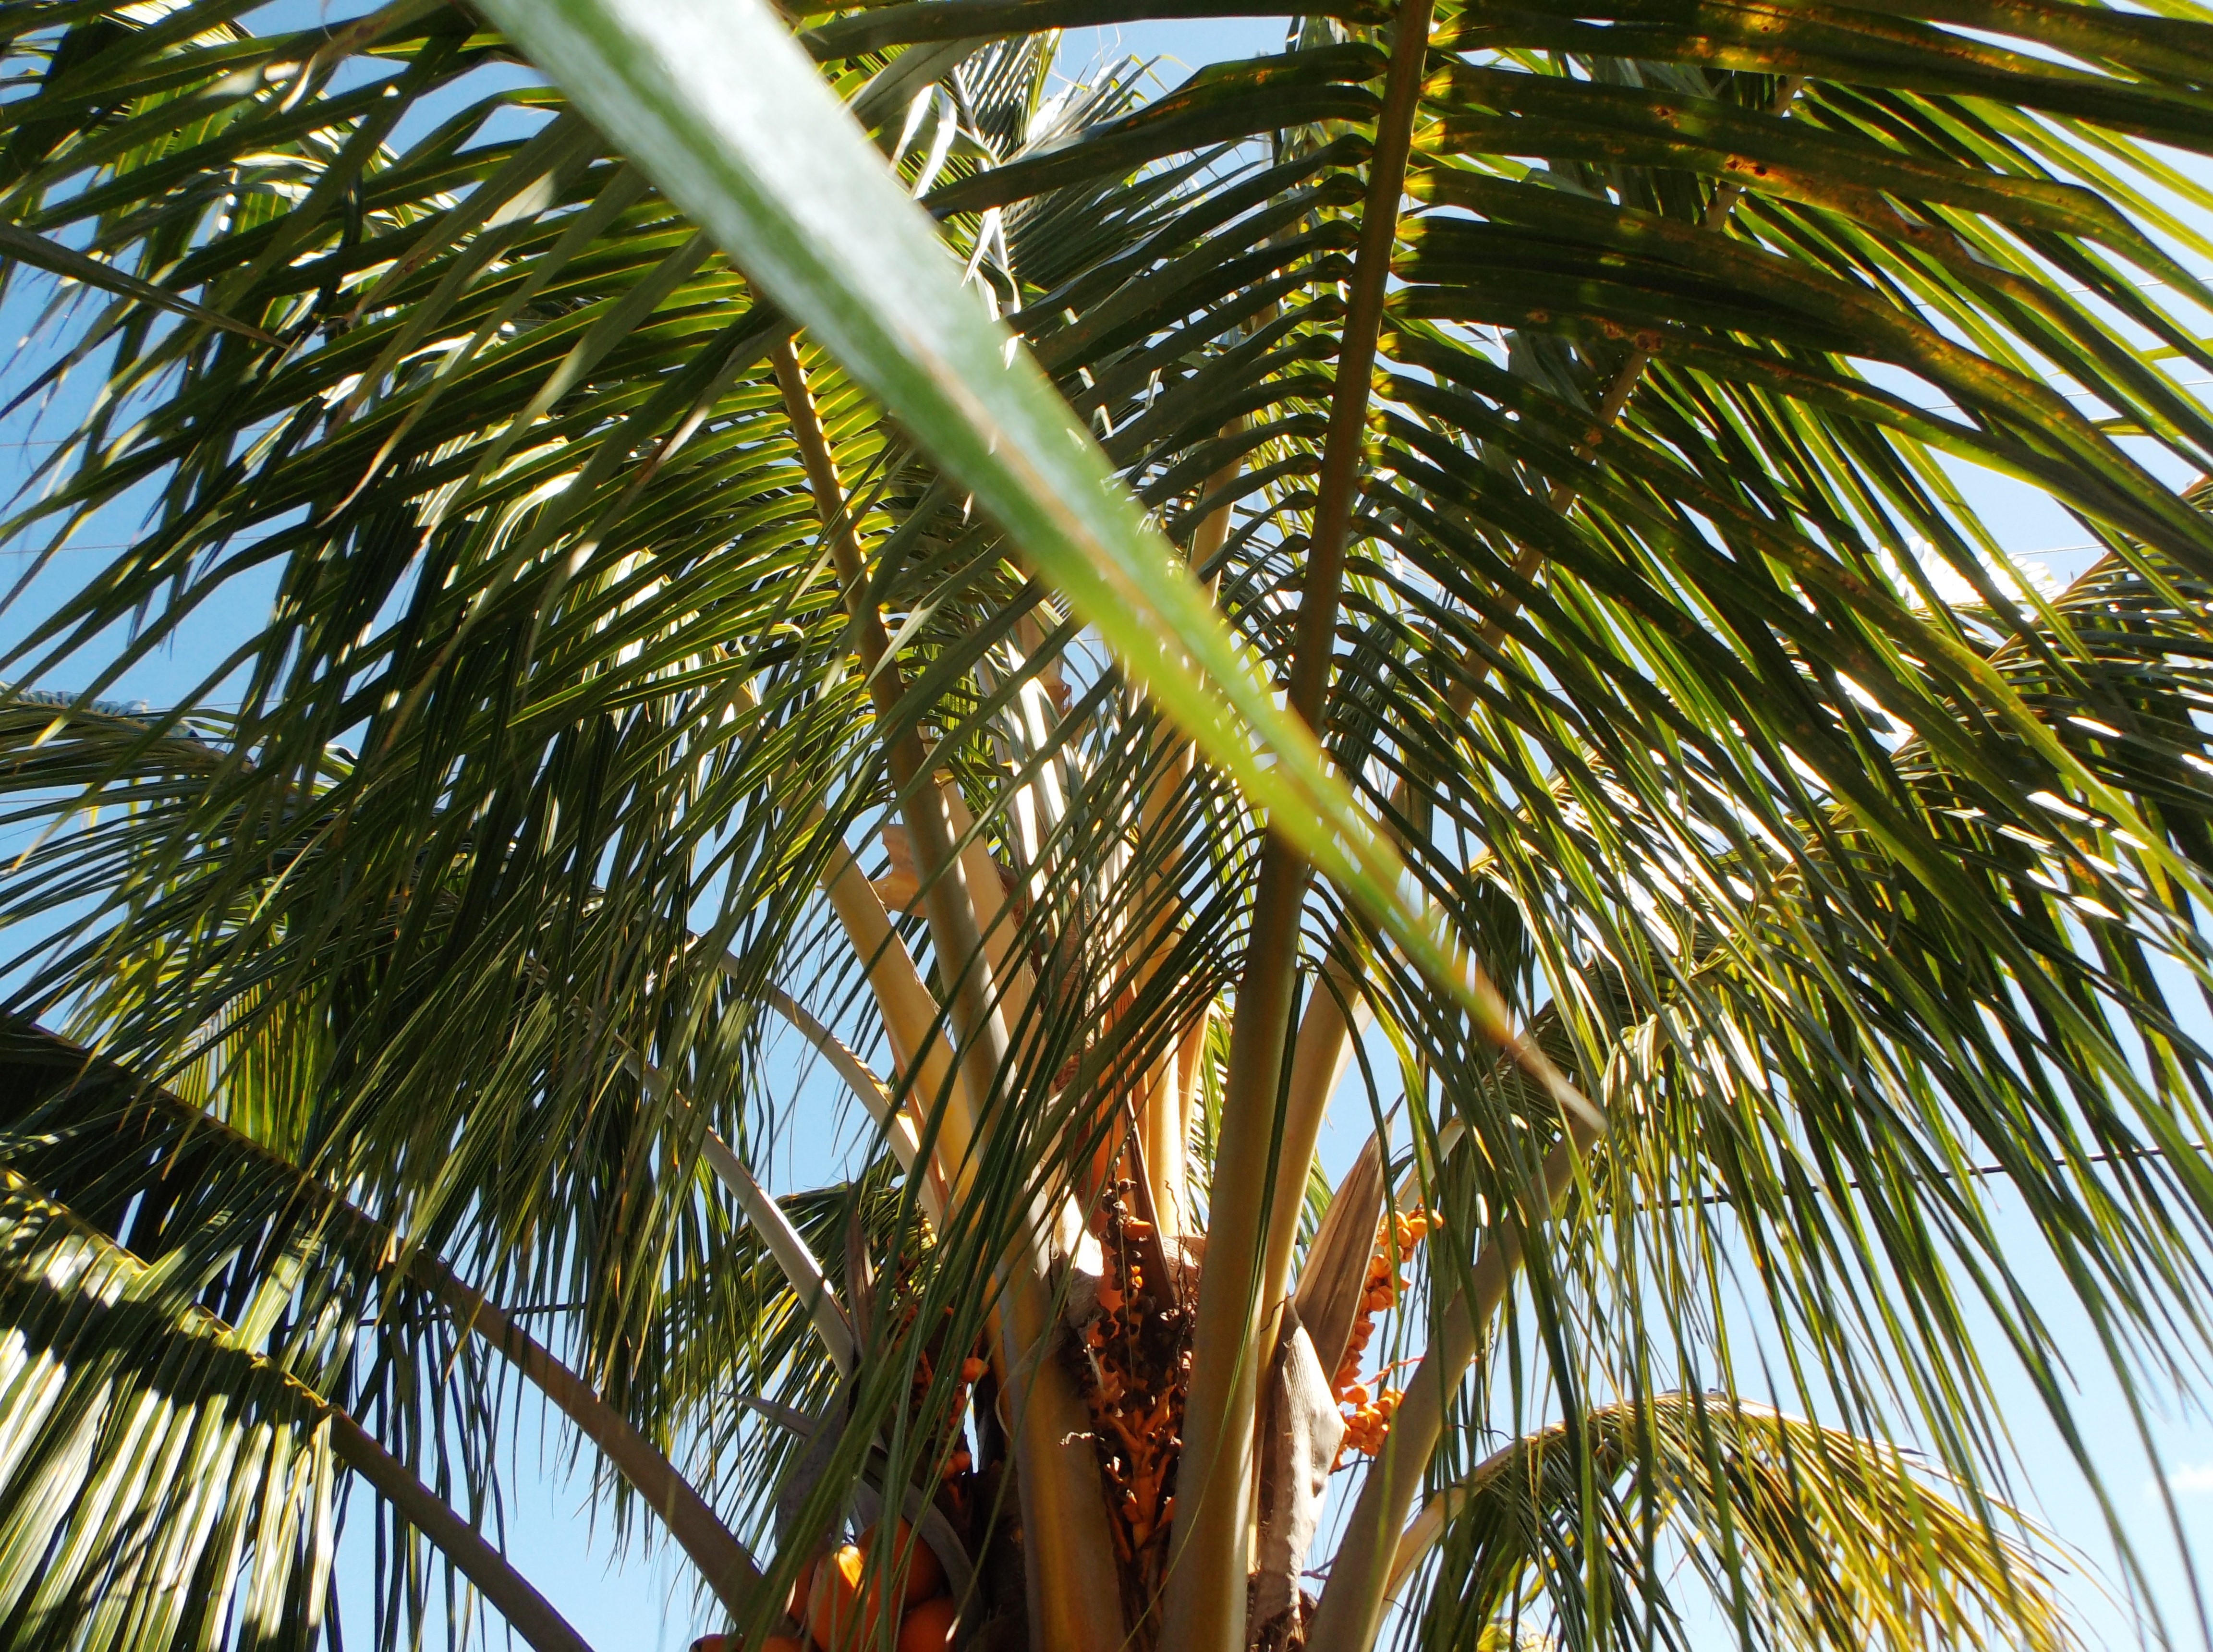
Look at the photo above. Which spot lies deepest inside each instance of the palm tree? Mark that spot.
(1426, 575)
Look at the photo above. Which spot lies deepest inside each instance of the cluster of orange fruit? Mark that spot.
(958, 1462)
(1368, 1416)
(839, 1602)
(940, 1433)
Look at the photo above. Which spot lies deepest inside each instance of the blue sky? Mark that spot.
(637, 1602)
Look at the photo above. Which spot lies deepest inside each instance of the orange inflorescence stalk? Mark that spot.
(1132, 1370)
(1367, 1414)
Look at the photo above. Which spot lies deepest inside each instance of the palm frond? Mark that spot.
(1836, 891)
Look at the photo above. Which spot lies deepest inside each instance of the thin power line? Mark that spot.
(1976, 1172)
(2071, 395)
(511, 1312)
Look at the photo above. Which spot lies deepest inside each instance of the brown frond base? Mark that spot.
(1287, 1630)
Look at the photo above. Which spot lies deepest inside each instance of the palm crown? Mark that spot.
(1518, 710)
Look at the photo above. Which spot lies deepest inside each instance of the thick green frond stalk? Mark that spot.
(1262, 1156)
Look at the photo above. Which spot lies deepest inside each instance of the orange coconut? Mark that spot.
(927, 1627)
(925, 1573)
(841, 1607)
(802, 1588)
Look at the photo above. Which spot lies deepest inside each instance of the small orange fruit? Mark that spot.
(927, 1627)
(712, 1643)
(925, 1575)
